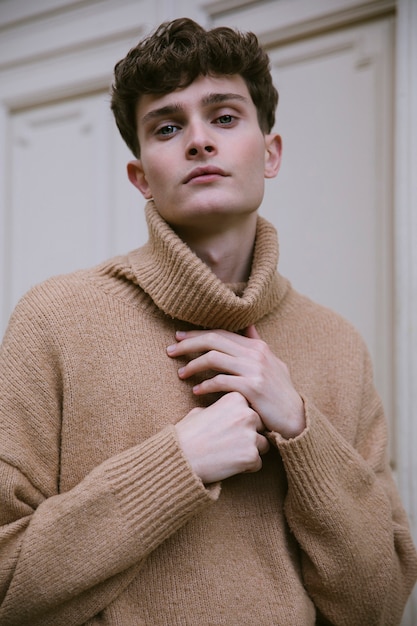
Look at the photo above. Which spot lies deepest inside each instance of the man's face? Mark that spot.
(203, 155)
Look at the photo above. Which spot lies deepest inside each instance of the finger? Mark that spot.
(257, 424)
(256, 465)
(262, 444)
(235, 402)
(221, 383)
(205, 340)
(215, 361)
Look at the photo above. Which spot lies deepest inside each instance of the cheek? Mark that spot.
(157, 177)
(253, 154)
(254, 169)
(253, 166)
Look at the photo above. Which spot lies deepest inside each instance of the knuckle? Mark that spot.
(254, 461)
(236, 397)
(258, 384)
(195, 411)
(249, 415)
(261, 348)
(260, 356)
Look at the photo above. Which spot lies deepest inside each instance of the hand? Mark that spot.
(246, 365)
(223, 439)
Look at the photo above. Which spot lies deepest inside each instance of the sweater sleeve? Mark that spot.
(65, 556)
(359, 563)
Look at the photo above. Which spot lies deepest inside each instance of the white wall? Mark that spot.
(344, 207)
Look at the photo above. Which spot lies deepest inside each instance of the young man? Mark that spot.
(184, 439)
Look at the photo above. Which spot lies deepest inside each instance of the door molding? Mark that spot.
(405, 216)
(296, 19)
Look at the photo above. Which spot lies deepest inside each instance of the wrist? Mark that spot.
(296, 423)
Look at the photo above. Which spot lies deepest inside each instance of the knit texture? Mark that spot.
(102, 520)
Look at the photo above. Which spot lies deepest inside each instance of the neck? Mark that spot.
(227, 253)
(183, 286)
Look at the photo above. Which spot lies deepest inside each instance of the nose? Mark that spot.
(194, 151)
(200, 141)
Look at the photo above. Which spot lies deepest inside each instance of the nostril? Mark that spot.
(196, 150)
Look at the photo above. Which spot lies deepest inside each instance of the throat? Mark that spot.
(227, 252)
(230, 266)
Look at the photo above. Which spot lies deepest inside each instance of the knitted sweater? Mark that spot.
(102, 520)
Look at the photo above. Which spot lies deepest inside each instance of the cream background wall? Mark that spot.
(344, 203)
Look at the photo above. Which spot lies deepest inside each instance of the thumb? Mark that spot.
(251, 332)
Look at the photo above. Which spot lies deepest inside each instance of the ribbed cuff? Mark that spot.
(157, 489)
(319, 461)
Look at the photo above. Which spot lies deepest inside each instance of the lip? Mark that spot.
(203, 172)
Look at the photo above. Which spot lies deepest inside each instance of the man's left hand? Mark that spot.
(245, 364)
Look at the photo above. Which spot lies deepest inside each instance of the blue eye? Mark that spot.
(226, 119)
(169, 129)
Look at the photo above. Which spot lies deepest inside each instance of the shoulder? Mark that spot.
(309, 316)
(71, 296)
(80, 284)
(56, 294)
(317, 336)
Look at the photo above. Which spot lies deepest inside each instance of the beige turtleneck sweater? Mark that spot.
(102, 520)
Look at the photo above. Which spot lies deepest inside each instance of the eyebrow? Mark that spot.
(209, 99)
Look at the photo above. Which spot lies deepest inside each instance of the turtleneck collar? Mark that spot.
(185, 288)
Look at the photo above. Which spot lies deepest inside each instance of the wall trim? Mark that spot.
(405, 216)
(303, 19)
(406, 253)
(13, 12)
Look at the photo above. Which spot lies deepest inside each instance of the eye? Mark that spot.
(226, 119)
(167, 130)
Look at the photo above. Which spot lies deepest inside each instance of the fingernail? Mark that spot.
(171, 348)
(180, 334)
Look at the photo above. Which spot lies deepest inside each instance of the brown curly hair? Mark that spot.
(174, 55)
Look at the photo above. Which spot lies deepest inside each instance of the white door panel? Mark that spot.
(331, 201)
(71, 205)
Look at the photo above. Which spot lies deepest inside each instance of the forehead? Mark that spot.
(204, 91)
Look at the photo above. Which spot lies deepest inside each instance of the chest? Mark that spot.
(119, 389)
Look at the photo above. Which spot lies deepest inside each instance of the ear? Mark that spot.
(138, 179)
(273, 152)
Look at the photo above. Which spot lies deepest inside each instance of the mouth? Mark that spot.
(204, 174)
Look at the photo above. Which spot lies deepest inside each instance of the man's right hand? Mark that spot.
(223, 439)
